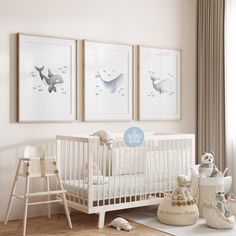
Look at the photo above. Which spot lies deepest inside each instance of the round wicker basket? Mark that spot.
(231, 203)
(208, 187)
(215, 219)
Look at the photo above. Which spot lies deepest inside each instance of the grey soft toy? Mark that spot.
(220, 199)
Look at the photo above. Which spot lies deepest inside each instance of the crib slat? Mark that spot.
(76, 172)
(126, 166)
(174, 165)
(160, 166)
(119, 154)
(168, 164)
(135, 175)
(79, 173)
(130, 179)
(155, 164)
(105, 168)
(89, 157)
(70, 168)
(102, 158)
(96, 160)
(110, 156)
(141, 169)
(84, 168)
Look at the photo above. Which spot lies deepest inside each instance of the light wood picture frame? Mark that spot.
(46, 79)
(159, 83)
(108, 81)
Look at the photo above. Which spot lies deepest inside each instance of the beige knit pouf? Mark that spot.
(177, 212)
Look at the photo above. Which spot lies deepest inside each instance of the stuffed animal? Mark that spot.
(207, 168)
(220, 200)
(106, 137)
(120, 223)
(97, 178)
(181, 192)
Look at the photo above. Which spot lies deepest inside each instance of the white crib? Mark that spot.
(99, 180)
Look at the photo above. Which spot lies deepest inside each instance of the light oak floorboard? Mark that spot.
(83, 225)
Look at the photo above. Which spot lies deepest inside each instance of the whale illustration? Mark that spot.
(162, 86)
(52, 80)
(113, 84)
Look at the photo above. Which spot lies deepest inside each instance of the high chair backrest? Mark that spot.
(37, 163)
(34, 152)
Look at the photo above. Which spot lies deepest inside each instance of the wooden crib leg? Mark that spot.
(101, 219)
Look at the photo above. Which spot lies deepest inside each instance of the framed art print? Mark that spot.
(107, 81)
(159, 84)
(47, 79)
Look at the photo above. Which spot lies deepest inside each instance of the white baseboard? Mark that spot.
(33, 211)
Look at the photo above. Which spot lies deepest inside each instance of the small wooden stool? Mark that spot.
(35, 164)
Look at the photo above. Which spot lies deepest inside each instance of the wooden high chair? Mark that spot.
(35, 164)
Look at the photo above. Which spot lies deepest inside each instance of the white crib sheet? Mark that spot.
(118, 186)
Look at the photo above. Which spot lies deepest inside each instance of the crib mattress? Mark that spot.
(118, 186)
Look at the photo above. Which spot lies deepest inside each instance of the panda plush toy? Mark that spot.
(207, 168)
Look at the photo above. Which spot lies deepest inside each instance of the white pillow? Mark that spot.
(98, 179)
(127, 161)
(194, 170)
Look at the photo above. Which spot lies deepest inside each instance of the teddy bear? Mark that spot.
(181, 192)
(207, 168)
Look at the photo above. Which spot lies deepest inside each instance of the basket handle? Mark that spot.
(232, 196)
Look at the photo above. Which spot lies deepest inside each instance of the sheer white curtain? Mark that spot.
(230, 86)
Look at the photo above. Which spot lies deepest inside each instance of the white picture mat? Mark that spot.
(165, 66)
(36, 103)
(109, 61)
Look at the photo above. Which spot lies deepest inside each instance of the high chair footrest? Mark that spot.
(45, 193)
(44, 202)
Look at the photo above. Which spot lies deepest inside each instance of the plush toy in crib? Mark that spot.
(97, 178)
(96, 171)
(220, 204)
(181, 192)
(106, 137)
(120, 223)
(207, 168)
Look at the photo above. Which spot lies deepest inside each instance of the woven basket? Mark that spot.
(177, 212)
(231, 203)
(208, 187)
(215, 219)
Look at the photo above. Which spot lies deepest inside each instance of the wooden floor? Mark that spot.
(83, 225)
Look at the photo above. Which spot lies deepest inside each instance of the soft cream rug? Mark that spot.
(148, 217)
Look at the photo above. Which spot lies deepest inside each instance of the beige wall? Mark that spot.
(163, 23)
